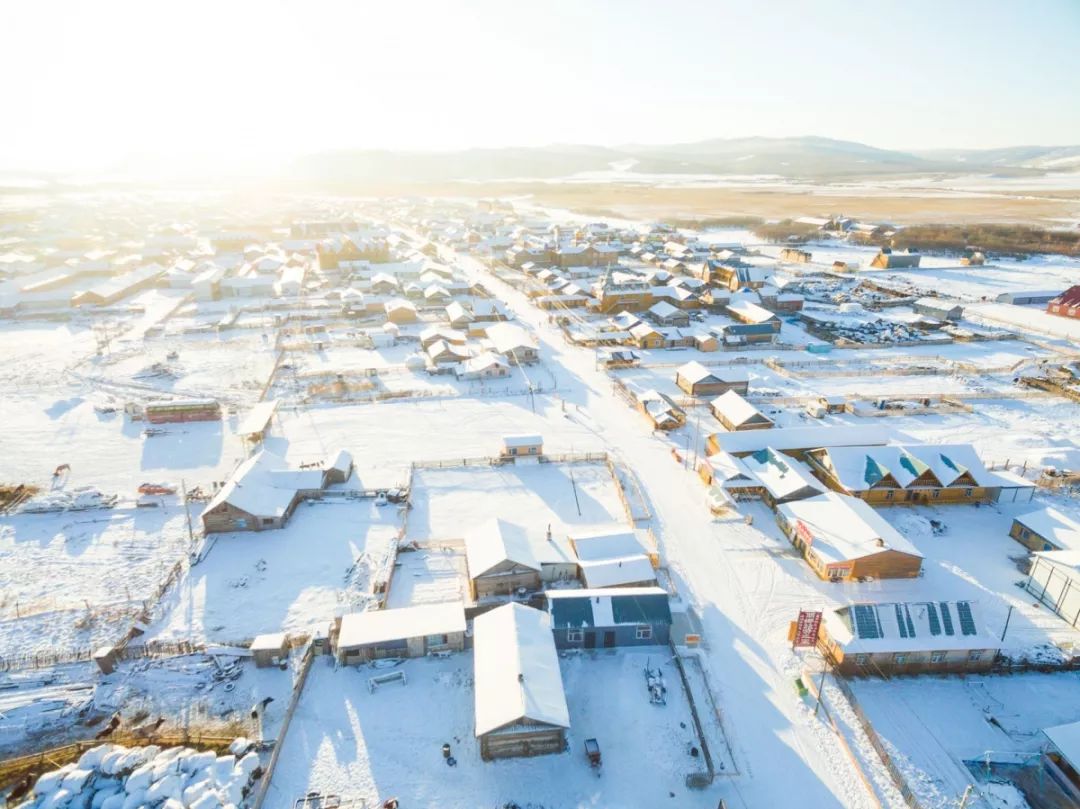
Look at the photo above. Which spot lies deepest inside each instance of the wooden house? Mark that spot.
(844, 539)
(735, 413)
(645, 336)
(261, 494)
(1067, 304)
(661, 410)
(605, 619)
(695, 379)
(908, 474)
(1046, 529)
(888, 259)
(500, 560)
(519, 446)
(400, 311)
(513, 344)
(665, 314)
(916, 637)
(782, 478)
(938, 308)
(404, 632)
(486, 365)
(520, 702)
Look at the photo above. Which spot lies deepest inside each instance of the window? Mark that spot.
(937, 493)
(268, 521)
(574, 636)
(969, 492)
(899, 659)
(644, 633)
(862, 660)
(513, 450)
(975, 655)
(532, 450)
(937, 657)
(437, 640)
(889, 494)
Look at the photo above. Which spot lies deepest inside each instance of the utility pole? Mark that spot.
(821, 685)
(187, 513)
(965, 797)
(1007, 619)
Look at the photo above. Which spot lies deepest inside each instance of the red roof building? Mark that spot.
(1067, 304)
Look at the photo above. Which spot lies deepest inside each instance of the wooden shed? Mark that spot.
(735, 413)
(520, 702)
(270, 650)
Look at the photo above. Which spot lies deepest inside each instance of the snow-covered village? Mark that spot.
(476, 504)
(589, 405)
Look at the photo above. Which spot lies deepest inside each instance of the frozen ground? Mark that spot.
(931, 726)
(319, 566)
(446, 503)
(72, 580)
(350, 742)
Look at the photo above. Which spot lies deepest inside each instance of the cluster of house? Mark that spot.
(823, 484)
(528, 599)
(486, 351)
(263, 491)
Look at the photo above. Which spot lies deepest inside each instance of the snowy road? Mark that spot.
(746, 591)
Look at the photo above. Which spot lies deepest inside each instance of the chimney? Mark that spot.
(521, 677)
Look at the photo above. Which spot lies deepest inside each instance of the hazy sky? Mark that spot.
(88, 83)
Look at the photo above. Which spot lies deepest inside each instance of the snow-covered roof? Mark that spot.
(736, 409)
(608, 607)
(914, 626)
(843, 528)
(516, 670)
(1053, 526)
(258, 418)
(727, 469)
(664, 310)
(694, 372)
(509, 337)
(342, 461)
(795, 438)
(482, 362)
(522, 441)
(380, 626)
(859, 468)
(598, 545)
(255, 489)
(269, 642)
(497, 541)
(782, 476)
(618, 571)
(1066, 740)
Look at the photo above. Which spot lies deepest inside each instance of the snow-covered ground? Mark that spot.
(348, 741)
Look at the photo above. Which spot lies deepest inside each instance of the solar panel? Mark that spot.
(946, 617)
(910, 625)
(900, 620)
(866, 621)
(967, 620)
(932, 618)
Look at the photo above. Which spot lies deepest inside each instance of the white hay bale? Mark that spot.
(167, 787)
(50, 781)
(197, 761)
(240, 746)
(134, 799)
(140, 779)
(247, 765)
(92, 758)
(109, 790)
(223, 767)
(208, 800)
(115, 801)
(56, 799)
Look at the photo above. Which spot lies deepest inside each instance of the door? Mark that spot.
(590, 639)
(609, 639)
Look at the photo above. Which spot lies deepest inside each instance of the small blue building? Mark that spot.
(606, 618)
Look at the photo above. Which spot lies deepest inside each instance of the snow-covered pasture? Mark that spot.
(320, 565)
(446, 503)
(75, 579)
(350, 742)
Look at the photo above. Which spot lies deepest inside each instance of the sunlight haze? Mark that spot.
(255, 83)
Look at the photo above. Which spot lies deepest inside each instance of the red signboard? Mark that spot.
(806, 628)
(804, 533)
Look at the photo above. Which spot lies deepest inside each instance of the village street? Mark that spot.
(744, 591)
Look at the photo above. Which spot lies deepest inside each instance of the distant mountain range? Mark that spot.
(793, 158)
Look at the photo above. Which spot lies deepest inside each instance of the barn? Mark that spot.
(261, 494)
(520, 702)
(591, 619)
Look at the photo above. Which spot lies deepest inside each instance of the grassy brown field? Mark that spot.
(905, 207)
